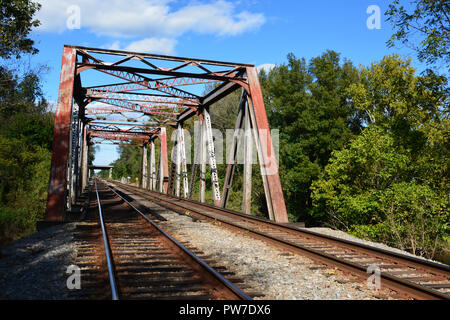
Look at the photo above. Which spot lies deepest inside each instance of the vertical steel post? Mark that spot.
(177, 152)
(158, 175)
(79, 158)
(152, 185)
(182, 154)
(73, 156)
(197, 151)
(233, 152)
(57, 191)
(248, 162)
(266, 153)
(84, 161)
(212, 157)
(202, 159)
(164, 165)
(144, 167)
(160, 172)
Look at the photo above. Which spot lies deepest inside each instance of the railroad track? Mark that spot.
(409, 277)
(125, 255)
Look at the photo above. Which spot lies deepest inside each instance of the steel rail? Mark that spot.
(109, 259)
(396, 283)
(231, 287)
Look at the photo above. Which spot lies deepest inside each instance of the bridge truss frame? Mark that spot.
(151, 86)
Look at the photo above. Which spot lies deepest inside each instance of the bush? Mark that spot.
(411, 217)
(24, 173)
(371, 190)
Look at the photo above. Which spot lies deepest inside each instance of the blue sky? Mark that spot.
(256, 31)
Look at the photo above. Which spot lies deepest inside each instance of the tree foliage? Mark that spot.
(426, 28)
(26, 131)
(309, 104)
(26, 136)
(16, 22)
(129, 162)
(391, 183)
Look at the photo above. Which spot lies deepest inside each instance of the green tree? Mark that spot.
(129, 162)
(370, 189)
(391, 183)
(425, 28)
(27, 128)
(24, 172)
(309, 104)
(16, 22)
(414, 109)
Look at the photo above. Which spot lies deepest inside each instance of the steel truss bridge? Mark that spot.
(131, 99)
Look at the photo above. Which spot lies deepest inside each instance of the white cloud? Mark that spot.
(114, 46)
(154, 45)
(266, 67)
(149, 18)
(215, 18)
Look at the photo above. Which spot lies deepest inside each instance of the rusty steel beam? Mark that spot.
(160, 57)
(163, 161)
(94, 93)
(84, 158)
(116, 130)
(215, 95)
(56, 198)
(144, 108)
(92, 110)
(125, 123)
(131, 74)
(116, 143)
(268, 162)
(144, 167)
(218, 93)
(129, 87)
(152, 173)
(92, 131)
(178, 79)
(118, 136)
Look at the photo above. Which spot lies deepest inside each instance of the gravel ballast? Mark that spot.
(34, 267)
(276, 273)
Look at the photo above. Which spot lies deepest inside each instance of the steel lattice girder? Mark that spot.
(116, 128)
(125, 123)
(118, 135)
(102, 94)
(159, 96)
(147, 108)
